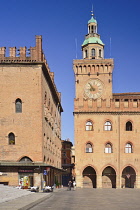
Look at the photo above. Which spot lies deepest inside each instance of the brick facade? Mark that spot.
(27, 84)
(106, 125)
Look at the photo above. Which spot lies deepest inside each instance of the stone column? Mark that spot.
(118, 182)
(37, 180)
(79, 181)
(137, 185)
(99, 181)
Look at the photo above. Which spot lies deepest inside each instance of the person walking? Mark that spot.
(74, 185)
(69, 185)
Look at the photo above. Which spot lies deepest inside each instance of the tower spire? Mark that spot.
(92, 11)
(92, 47)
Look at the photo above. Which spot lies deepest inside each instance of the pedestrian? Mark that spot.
(74, 185)
(69, 185)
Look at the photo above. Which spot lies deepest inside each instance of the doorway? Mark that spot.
(108, 178)
(89, 177)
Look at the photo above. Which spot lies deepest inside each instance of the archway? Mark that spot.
(25, 173)
(108, 178)
(89, 177)
(128, 177)
(25, 159)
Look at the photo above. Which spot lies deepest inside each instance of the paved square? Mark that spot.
(95, 199)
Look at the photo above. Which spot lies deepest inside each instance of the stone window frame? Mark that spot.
(93, 52)
(89, 147)
(89, 125)
(128, 148)
(18, 105)
(108, 125)
(108, 148)
(11, 138)
(130, 126)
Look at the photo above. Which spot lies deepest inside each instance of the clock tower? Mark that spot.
(106, 124)
(93, 87)
(93, 73)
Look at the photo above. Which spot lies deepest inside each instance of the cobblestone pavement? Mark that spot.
(15, 199)
(8, 193)
(92, 199)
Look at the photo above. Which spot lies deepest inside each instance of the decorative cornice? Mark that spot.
(107, 113)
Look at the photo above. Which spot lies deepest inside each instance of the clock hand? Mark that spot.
(91, 87)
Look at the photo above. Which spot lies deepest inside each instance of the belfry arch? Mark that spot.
(89, 177)
(128, 177)
(108, 178)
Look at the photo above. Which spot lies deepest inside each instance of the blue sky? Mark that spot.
(60, 22)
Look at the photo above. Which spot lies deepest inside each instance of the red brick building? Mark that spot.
(30, 119)
(107, 134)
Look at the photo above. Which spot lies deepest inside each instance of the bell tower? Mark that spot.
(92, 47)
(93, 92)
(93, 73)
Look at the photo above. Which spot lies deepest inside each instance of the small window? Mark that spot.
(18, 106)
(93, 52)
(49, 103)
(86, 53)
(128, 148)
(89, 148)
(92, 29)
(128, 126)
(89, 126)
(107, 126)
(100, 53)
(108, 148)
(11, 138)
(45, 98)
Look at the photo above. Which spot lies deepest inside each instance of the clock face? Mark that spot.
(93, 89)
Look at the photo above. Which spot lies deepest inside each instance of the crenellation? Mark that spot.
(93, 69)
(52, 75)
(2, 52)
(32, 52)
(12, 52)
(108, 105)
(23, 54)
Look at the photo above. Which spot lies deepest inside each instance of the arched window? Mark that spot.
(89, 148)
(93, 52)
(25, 159)
(18, 105)
(108, 126)
(128, 148)
(49, 103)
(128, 126)
(92, 29)
(86, 53)
(11, 138)
(108, 148)
(89, 126)
(45, 98)
(100, 53)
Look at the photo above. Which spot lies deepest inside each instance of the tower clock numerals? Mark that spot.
(93, 89)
